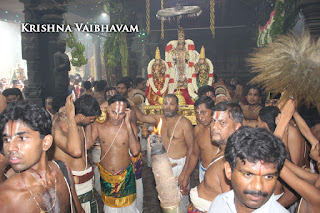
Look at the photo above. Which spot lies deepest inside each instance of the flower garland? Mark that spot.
(210, 81)
(150, 78)
(169, 61)
(274, 26)
(264, 36)
(189, 45)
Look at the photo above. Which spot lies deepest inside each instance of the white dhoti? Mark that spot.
(202, 171)
(96, 153)
(199, 203)
(139, 199)
(184, 203)
(127, 209)
(84, 188)
(137, 161)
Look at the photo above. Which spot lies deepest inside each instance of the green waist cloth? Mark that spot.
(118, 190)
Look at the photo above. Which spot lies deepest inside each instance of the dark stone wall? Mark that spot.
(235, 36)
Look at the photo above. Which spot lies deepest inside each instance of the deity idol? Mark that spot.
(158, 79)
(19, 75)
(204, 70)
(181, 57)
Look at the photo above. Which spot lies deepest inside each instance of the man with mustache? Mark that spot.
(254, 159)
(177, 136)
(227, 119)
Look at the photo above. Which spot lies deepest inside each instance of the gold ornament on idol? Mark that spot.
(202, 53)
(158, 56)
(167, 73)
(34, 198)
(207, 66)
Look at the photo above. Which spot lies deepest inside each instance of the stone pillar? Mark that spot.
(311, 13)
(39, 48)
(86, 67)
(97, 57)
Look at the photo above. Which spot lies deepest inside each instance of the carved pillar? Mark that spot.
(87, 72)
(38, 48)
(97, 57)
(311, 13)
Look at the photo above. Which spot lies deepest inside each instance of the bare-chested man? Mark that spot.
(177, 135)
(316, 131)
(3, 103)
(239, 89)
(124, 87)
(137, 95)
(294, 144)
(4, 163)
(116, 137)
(38, 185)
(305, 183)
(71, 135)
(202, 141)
(227, 119)
(251, 111)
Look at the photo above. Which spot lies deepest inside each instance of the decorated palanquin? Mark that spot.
(182, 73)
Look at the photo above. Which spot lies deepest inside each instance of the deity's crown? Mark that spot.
(158, 56)
(181, 35)
(202, 53)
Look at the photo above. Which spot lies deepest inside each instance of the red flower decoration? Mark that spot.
(191, 47)
(168, 47)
